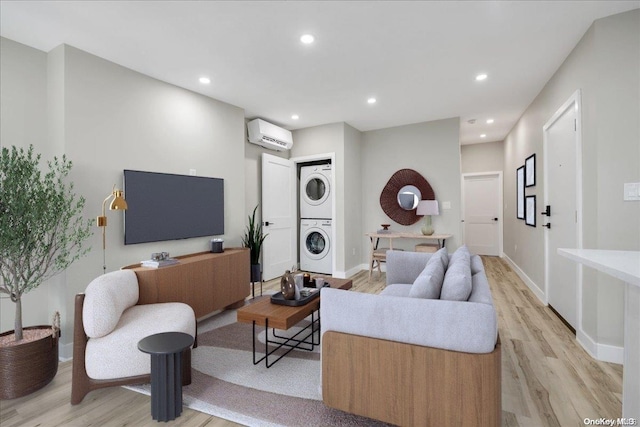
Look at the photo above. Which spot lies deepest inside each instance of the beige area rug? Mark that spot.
(226, 384)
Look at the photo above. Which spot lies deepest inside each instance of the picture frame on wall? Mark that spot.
(530, 171)
(531, 211)
(520, 192)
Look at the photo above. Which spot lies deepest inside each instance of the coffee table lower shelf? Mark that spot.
(291, 342)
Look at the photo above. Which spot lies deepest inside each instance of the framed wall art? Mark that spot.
(530, 171)
(531, 211)
(520, 192)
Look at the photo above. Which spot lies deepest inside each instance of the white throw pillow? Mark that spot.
(457, 279)
(429, 282)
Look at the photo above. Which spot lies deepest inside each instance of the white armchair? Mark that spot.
(107, 327)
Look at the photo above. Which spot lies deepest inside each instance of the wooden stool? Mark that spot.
(427, 247)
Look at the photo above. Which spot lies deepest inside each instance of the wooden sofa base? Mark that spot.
(82, 384)
(410, 385)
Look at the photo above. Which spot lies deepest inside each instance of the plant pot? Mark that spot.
(256, 274)
(29, 366)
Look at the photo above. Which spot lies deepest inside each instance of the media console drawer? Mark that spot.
(206, 281)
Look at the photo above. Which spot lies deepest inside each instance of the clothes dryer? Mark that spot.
(315, 192)
(315, 246)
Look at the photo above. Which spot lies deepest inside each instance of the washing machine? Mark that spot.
(315, 191)
(315, 246)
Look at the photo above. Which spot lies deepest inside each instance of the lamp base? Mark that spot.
(427, 228)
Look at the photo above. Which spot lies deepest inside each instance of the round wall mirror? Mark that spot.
(408, 197)
(401, 195)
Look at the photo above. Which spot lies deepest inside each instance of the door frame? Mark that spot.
(500, 204)
(575, 101)
(332, 195)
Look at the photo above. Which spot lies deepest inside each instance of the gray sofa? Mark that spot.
(411, 360)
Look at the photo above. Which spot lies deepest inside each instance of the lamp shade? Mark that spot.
(118, 202)
(428, 207)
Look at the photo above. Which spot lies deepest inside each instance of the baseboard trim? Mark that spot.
(602, 352)
(65, 351)
(526, 279)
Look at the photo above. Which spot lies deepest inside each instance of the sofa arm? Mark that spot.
(404, 267)
(452, 325)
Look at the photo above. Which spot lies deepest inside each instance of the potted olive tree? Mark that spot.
(253, 239)
(41, 234)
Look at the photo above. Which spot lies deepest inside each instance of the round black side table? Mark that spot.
(166, 372)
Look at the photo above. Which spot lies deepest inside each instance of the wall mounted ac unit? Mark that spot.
(269, 136)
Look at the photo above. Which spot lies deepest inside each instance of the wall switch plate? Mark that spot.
(631, 191)
(446, 205)
(192, 172)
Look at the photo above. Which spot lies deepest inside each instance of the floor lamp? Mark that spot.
(118, 203)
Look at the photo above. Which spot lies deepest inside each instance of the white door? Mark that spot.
(482, 207)
(561, 193)
(278, 216)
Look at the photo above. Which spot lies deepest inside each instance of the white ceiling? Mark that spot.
(419, 59)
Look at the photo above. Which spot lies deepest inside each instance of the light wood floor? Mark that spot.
(547, 378)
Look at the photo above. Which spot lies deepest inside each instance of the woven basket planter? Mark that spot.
(27, 367)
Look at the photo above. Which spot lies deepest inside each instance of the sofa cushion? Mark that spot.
(106, 297)
(476, 264)
(116, 355)
(480, 291)
(429, 282)
(457, 279)
(397, 290)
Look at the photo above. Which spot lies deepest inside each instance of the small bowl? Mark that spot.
(385, 226)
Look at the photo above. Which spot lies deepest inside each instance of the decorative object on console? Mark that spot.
(118, 203)
(406, 185)
(427, 208)
(40, 199)
(217, 246)
(288, 285)
(385, 227)
(253, 239)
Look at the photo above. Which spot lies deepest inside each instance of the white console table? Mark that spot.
(623, 265)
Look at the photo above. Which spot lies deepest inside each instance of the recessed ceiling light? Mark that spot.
(295, 117)
(205, 80)
(371, 100)
(481, 77)
(489, 121)
(484, 135)
(307, 39)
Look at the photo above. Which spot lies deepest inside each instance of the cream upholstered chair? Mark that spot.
(107, 327)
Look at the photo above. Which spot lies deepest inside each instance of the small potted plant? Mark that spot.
(41, 234)
(253, 239)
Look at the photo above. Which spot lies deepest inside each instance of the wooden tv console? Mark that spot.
(204, 280)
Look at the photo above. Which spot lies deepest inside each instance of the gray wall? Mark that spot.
(605, 66)
(485, 157)
(111, 118)
(430, 148)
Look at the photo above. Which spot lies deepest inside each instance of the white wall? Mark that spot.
(605, 66)
(23, 121)
(111, 118)
(485, 157)
(430, 148)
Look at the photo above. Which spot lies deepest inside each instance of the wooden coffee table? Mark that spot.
(262, 312)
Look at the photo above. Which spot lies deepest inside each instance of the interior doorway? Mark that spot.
(562, 218)
(482, 212)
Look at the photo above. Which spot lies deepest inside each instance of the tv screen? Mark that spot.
(164, 206)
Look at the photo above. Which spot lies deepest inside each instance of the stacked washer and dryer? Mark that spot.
(315, 219)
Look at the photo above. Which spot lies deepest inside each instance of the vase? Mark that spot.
(256, 274)
(288, 286)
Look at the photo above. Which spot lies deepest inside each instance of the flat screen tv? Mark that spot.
(164, 206)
